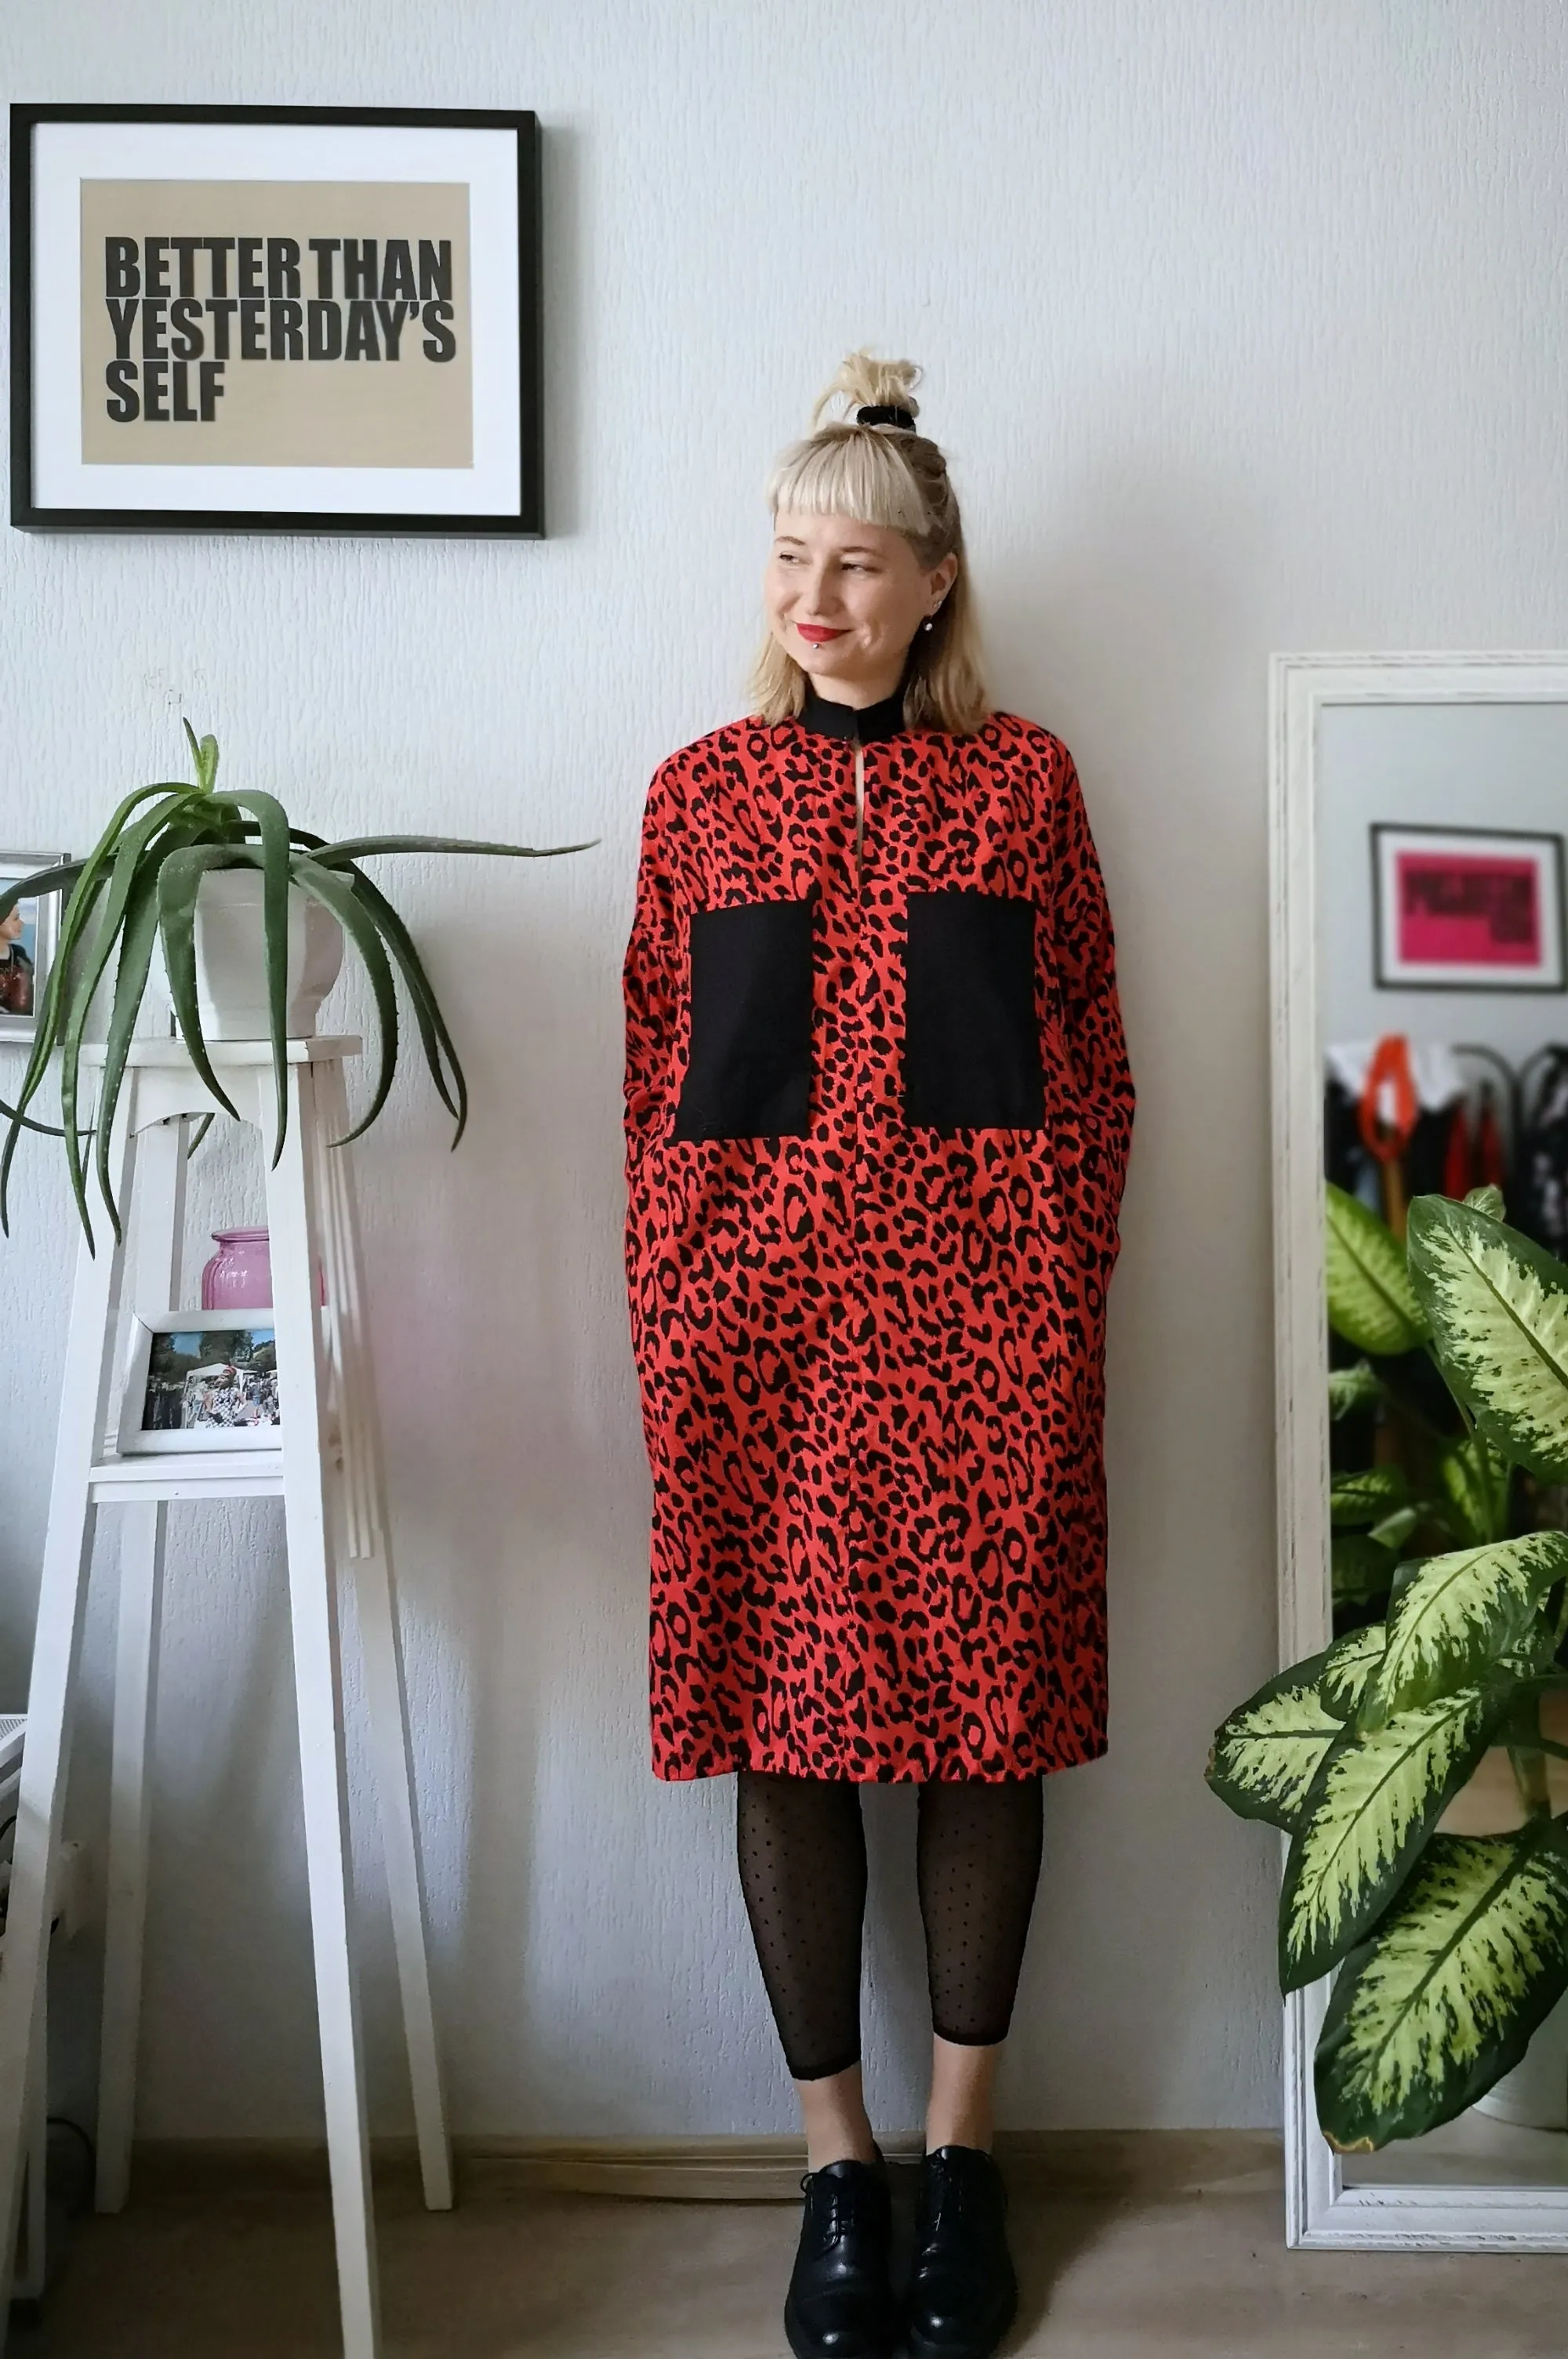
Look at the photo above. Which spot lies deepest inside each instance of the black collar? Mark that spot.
(869, 723)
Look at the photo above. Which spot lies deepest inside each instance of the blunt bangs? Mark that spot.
(855, 474)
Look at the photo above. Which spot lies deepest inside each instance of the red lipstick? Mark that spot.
(817, 633)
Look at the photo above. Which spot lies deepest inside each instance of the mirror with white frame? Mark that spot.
(1420, 1003)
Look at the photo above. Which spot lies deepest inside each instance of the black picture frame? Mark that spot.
(526, 523)
(1545, 845)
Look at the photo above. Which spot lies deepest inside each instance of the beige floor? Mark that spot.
(248, 2275)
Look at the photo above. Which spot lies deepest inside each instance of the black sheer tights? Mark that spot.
(803, 1869)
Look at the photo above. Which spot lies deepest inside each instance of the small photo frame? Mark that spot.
(201, 1380)
(1459, 909)
(28, 937)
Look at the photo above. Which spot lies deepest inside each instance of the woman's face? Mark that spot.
(12, 927)
(846, 600)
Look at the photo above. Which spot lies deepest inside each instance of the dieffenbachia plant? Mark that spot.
(1436, 1485)
(138, 886)
(1448, 1950)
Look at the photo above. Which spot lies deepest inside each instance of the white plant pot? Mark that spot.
(1535, 2095)
(231, 967)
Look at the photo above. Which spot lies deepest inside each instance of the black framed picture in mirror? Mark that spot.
(1466, 908)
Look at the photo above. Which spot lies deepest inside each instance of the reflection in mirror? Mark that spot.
(1443, 1038)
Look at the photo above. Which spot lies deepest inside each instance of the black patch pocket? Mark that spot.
(749, 1073)
(972, 1056)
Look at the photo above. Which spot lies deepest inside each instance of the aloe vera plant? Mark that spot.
(139, 887)
(1448, 1950)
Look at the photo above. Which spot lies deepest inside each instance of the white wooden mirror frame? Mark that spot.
(1320, 2209)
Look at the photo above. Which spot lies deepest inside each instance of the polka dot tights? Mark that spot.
(801, 1848)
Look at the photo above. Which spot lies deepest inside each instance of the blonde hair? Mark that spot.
(887, 475)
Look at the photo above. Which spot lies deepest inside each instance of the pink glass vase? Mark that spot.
(239, 1275)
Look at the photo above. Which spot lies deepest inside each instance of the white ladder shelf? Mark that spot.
(29, 2281)
(327, 1469)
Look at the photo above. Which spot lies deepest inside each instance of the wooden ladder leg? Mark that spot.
(318, 1682)
(135, 1696)
(51, 1694)
(370, 1565)
(32, 2274)
(46, 1753)
(154, 1287)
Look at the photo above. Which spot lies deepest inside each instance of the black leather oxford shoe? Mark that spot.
(840, 2304)
(962, 2292)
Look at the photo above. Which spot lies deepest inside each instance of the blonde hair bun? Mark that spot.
(865, 383)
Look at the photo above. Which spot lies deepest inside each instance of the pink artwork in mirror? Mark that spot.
(1461, 909)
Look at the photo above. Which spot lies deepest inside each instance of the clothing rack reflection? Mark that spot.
(1404, 1118)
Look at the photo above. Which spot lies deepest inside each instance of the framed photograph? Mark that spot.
(1459, 909)
(201, 1380)
(26, 944)
(252, 318)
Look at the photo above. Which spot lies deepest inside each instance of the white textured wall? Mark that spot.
(1245, 329)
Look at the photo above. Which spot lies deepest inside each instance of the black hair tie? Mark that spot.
(882, 414)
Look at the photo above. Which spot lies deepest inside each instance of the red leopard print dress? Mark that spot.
(877, 1119)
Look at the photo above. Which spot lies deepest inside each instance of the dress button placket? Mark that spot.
(855, 1524)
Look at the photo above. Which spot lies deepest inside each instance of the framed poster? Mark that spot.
(1459, 909)
(253, 319)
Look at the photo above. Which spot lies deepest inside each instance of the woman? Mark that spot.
(877, 1117)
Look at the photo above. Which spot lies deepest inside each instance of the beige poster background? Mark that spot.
(411, 411)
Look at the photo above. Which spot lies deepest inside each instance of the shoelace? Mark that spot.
(949, 2195)
(839, 2203)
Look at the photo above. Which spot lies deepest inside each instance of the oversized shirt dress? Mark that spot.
(878, 1110)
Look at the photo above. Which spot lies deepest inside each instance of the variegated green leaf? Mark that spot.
(1371, 1806)
(1347, 1665)
(1394, 1530)
(1370, 1300)
(1404, 1574)
(1498, 1306)
(1352, 1388)
(1475, 1482)
(1366, 1497)
(1486, 1199)
(1267, 1754)
(1457, 1615)
(1361, 1567)
(1441, 2001)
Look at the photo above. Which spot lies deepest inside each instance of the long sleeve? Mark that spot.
(653, 970)
(1086, 967)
